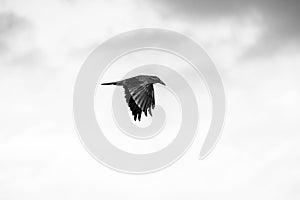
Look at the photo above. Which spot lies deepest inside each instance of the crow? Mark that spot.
(139, 93)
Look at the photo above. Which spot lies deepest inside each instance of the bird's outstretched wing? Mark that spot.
(140, 98)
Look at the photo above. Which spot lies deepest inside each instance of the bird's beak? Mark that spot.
(162, 83)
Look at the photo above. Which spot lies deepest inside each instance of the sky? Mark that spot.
(255, 46)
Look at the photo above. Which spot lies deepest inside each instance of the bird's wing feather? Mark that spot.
(135, 110)
(140, 99)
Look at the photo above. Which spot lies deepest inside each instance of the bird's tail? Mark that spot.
(111, 83)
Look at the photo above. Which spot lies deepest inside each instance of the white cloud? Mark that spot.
(41, 156)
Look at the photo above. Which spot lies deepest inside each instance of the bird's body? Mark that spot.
(139, 93)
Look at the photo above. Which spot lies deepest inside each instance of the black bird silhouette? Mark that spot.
(139, 93)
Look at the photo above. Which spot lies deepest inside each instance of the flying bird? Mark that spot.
(139, 93)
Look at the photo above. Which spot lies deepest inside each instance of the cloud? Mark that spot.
(11, 26)
(10, 22)
(17, 47)
(277, 19)
(39, 149)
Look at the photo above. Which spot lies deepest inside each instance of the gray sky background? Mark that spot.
(255, 46)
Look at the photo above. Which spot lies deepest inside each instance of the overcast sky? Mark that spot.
(256, 47)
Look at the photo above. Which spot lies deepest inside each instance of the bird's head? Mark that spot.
(155, 79)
